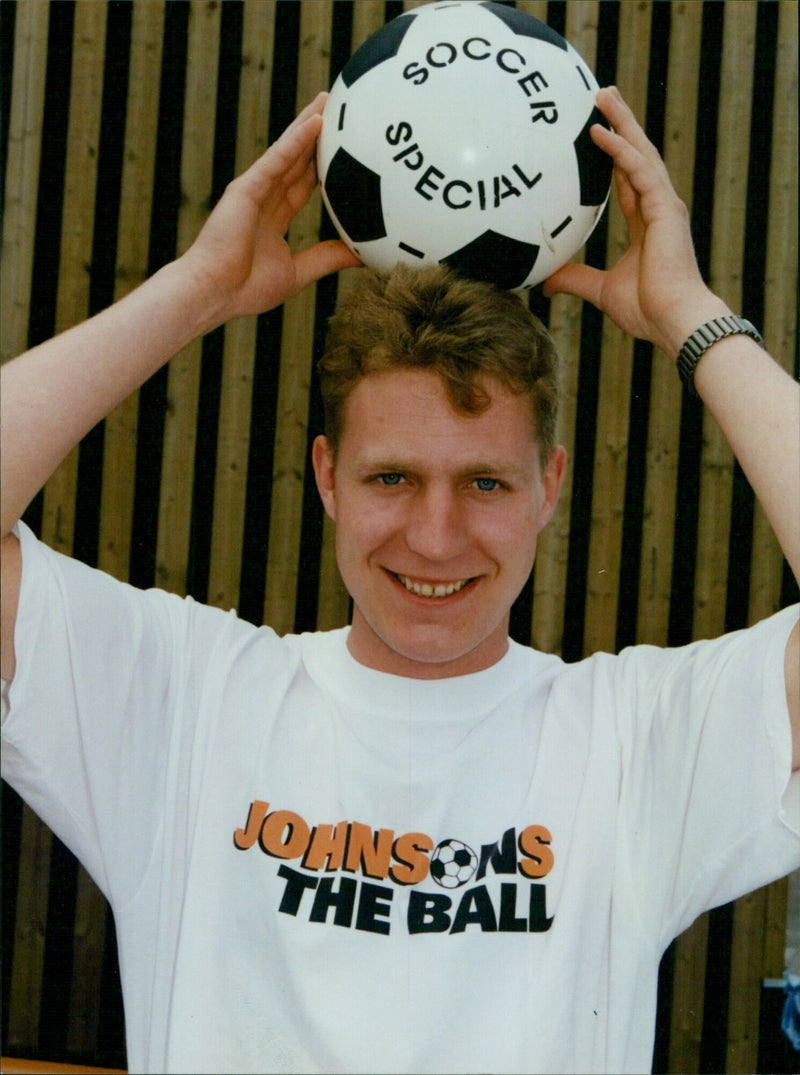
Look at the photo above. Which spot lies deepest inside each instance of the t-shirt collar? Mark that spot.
(455, 698)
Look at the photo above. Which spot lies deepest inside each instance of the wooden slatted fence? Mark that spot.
(121, 124)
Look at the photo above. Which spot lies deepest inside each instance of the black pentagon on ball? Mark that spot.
(354, 193)
(496, 258)
(383, 45)
(594, 166)
(462, 857)
(437, 869)
(524, 25)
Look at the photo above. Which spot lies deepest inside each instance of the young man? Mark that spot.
(411, 845)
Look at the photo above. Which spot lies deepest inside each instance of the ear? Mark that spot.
(552, 480)
(322, 460)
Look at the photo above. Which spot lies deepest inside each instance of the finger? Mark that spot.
(314, 107)
(288, 156)
(626, 142)
(629, 204)
(647, 174)
(313, 110)
(576, 279)
(293, 195)
(295, 147)
(626, 195)
(622, 118)
(302, 175)
(622, 151)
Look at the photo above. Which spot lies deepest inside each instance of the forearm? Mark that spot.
(55, 393)
(757, 406)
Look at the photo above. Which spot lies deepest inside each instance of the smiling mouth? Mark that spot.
(431, 589)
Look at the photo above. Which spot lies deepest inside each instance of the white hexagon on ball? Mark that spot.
(459, 133)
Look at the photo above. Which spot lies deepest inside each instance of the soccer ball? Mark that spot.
(459, 133)
(453, 863)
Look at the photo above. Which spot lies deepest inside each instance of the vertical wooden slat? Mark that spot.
(29, 932)
(22, 174)
(550, 576)
(133, 242)
(180, 429)
(727, 258)
(89, 939)
(296, 356)
(538, 8)
(780, 333)
(775, 913)
(72, 301)
(744, 994)
(72, 304)
(333, 604)
(661, 495)
(663, 431)
(754, 924)
(233, 443)
(21, 189)
(616, 366)
(25, 996)
(688, 989)
(780, 307)
(727, 264)
(119, 455)
(730, 187)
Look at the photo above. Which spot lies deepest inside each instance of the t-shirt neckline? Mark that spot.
(455, 698)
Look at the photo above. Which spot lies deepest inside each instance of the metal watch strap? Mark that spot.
(707, 335)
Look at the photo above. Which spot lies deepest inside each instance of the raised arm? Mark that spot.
(239, 264)
(656, 292)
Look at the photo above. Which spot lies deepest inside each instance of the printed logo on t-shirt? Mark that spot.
(403, 861)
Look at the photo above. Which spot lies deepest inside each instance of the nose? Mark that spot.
(435, 527)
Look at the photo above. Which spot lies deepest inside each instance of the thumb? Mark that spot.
(576, 279)
(321, 259)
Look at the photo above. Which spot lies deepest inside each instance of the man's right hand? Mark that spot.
(239, 264)
(241, 256)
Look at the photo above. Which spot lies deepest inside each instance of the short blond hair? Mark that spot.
(466, 331)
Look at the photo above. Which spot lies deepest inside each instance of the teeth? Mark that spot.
(427, 589)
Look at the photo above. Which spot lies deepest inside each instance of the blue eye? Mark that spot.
(392, 478)
(486, 485)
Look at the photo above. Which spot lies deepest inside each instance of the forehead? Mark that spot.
(406, 413)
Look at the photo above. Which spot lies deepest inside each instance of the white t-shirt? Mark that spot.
(314, 866)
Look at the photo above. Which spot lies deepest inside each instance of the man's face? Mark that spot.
(437, 516)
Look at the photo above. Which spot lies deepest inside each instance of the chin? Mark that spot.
(434, 657)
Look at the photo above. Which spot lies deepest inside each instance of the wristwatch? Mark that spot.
(706, 336)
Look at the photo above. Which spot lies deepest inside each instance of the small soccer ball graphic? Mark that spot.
(459, 133)
(453, 863)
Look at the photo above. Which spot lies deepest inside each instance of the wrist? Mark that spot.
(705, 337)
(197, 304)
(688, 318)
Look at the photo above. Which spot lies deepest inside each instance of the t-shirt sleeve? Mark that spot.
(89, 738)
(710, 809)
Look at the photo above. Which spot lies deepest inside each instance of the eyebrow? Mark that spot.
(471, 470)
(510, 470)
